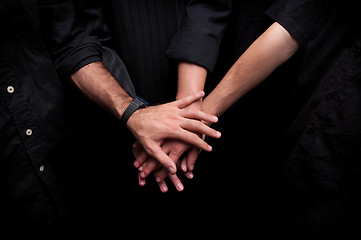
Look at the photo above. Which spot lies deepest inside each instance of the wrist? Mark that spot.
(133, 121)
(120, 106)
(210, 107)
(135, 104)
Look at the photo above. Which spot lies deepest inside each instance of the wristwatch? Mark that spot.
(135, 104)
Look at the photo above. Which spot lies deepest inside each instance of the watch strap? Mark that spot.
(135, 104)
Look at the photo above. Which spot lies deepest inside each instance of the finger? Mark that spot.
(163, 186)
(137, 149)
(141, 180)
(176, 182)
(184, 102)
(140, 159)
(157, 152)
(188, 174)
(183, 166)
(160, 175)
(175, 154)
(192, 158)
(198, 115)
(173, 150)
(197, 126)
(148, 167)
(192, 139)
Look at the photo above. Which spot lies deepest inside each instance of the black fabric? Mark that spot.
(240, 178)
(140, 33)
(90, 16)
(203, 22)
(33, 122)
(102, 179)
(322, 144)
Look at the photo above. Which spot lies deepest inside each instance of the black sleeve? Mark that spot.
(301, 18)
(90, 15)
(70, 47)
(200, 32)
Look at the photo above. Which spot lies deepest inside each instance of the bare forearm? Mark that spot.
(270, 50)
(97, 83)
(191, 79)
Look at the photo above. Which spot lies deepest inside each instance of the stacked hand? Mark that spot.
(164, 134)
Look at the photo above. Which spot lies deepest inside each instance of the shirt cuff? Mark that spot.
(191, 46)
(78, 58)
(291, 25)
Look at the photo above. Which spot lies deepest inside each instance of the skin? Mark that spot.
(270, 50)
(191, 79)
(274, 47)
(152, 125)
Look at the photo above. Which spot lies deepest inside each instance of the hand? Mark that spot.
(161, 174)
(162, 184)
(189, 160)
(175, 149)
(152, 125)
(148, 164)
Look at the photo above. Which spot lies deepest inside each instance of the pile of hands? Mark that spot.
(169, 138)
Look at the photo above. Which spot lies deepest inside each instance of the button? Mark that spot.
(331, 95)
(29, 132)
(10, 89)
(41, 168)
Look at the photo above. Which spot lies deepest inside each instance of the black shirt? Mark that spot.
(139, 33)
(32, 117)
(214, 34)
(313, 97)
(323, 142)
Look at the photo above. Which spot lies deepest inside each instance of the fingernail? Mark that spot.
(180, 187)
(140, 169)
(191, 167)
(157, 179)
(136, 164)
(215, 118)
(190, 175)
(209, 148)
(163, 187)
(218, 134)
(171, 170)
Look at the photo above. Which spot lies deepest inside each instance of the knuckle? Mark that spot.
(149, 149)
(176, 152)
(198, 126)
(177, 149)
(194, 138)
